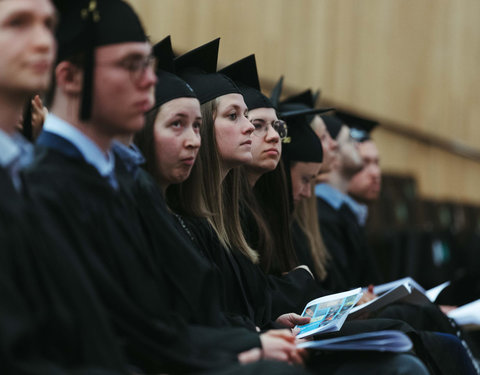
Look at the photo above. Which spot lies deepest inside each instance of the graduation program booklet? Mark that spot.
(468, 314)
(405, 290)
(380, 341)
(328, 313)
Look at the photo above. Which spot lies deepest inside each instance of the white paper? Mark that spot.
(382, 288)
(382, 341)
(433, 293)
(467, 314)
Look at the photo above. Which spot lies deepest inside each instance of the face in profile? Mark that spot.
(28, 45)
(349, 159)
(233, 131)
(329, 145)
(303, 175)
(266, 143)
(176, 136)
(365, 185)
(124, 83)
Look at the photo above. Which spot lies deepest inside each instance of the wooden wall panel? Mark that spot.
(412, 61)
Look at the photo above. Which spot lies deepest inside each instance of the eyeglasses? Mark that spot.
(136, 66)
(261, 128)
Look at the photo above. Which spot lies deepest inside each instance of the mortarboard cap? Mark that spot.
(169, 86)
(302, 103)
(87, 24)
(360, 127)
(305, 98)
(198, 68)
(303, 145)
(245, 75)
(333, 124)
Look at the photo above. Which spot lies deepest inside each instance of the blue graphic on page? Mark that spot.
(322, 314)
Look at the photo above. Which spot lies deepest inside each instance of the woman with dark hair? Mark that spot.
(208, 203)
(172, 139)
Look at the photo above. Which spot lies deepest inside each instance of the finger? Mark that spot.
(295, 357)
(252, 355)
(38, 101)
(283, 334)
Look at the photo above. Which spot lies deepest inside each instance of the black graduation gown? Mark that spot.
(351, 265)
(290, 292)
(51, 321)
(190, 279)
(246, 294)
(102, 226)
(304, 256)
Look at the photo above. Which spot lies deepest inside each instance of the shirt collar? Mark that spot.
(130, 155)
(103, 163)
(335, 198)
(14, 147)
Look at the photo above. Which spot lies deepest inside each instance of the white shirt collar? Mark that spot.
(104, 163)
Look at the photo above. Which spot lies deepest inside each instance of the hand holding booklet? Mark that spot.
(328, 313)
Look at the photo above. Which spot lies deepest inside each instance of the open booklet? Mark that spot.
(404, 290)
(328, 313)
(468, 314)
(380, 341)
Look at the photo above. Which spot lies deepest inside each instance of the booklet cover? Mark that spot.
(405, 290)
(328, 313)
(380, 341)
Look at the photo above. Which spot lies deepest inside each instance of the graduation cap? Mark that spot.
(277, 92)
(315, 97)
(303, 145)
(87, 24)
(360, 127)
(301, 104)
(198, 68)
(306, 98)
(169, 86)
(333, 124)
(245, 75)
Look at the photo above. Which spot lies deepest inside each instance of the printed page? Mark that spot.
(328, 313)
(382, 288)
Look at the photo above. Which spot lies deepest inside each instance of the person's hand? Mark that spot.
(367, 296)
(291, 320)
(446, 308)
(250, 356)
(279, 345)
(39, 114)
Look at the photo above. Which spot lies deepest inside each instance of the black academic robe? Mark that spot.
(352, 264)
(51, 320)
(290, 291)
(246, 294)
(102, 226)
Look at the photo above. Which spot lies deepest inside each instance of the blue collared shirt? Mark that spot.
(336, 199)
(130, 155)
(103, 162)
(15, 153)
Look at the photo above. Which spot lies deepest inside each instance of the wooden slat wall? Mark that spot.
(415, 62)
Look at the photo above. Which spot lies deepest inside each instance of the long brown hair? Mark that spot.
(145, 141)
(267, 204)
(207, 194)
(306, 216)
